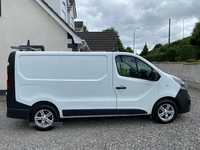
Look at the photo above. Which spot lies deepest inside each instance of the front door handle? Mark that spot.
(121, 87)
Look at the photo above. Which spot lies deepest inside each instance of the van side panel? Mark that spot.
(86, 84)
(37, 77)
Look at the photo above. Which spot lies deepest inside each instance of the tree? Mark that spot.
(195, 38)
(120, 45)
(85, 29)
(144, 51)
(184, 41)
(111, 29)
(119, 42)
(157, 46)
(128, 49)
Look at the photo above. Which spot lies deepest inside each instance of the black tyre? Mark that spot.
(165, 111)
(44, 117)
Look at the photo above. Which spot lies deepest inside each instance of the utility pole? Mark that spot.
(169, 33)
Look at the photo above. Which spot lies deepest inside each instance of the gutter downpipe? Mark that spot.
(85, 45)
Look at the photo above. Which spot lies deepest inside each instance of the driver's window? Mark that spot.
(126, 66)
(143, 66)
(144, 71)
(131, 67)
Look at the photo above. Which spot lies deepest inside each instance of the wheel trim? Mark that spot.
(166, 112)
(44, 118)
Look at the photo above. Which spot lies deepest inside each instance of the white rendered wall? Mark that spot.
(55, 5)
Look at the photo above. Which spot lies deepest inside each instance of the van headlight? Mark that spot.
(179, 81)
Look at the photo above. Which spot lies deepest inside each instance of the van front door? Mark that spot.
(136, 93)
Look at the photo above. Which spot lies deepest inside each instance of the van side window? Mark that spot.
(132, 67)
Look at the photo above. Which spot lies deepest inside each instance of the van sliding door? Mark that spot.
(86, 84)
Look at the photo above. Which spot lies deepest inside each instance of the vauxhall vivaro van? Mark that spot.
(44, 86)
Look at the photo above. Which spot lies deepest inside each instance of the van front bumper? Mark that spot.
(184, 101)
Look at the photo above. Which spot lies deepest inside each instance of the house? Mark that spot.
(49, 23)
(100, 41)
(66, 9)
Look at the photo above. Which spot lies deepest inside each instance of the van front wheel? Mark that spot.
(165, 111)
(44, 117)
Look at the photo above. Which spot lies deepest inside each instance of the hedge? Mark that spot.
(158, 57)
(170, 55)
(187, 52)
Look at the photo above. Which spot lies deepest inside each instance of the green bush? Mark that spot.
(184, 41)
(158, 57)
(170, 55)
(157, 46)
(177, 59)
(187, 52)
(197, 48)
(154, 51)
(164, 48)
(191, 60)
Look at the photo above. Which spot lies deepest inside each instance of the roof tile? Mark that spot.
(100, 41)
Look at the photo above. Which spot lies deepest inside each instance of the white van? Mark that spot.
(44, 87)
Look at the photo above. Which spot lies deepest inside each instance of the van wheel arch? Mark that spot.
(169, 98)
(163, 102)
(34, 106)
(43, 105)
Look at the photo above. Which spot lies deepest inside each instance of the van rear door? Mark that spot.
(136, 93)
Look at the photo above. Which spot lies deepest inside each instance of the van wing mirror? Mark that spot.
(154, 76)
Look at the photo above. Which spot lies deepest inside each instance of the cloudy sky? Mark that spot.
(150, 16)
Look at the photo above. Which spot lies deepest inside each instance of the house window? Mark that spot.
(0, 7)
(64, 7)
(72, 22)
(63, 10)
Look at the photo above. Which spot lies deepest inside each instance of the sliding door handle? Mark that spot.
(121, 87)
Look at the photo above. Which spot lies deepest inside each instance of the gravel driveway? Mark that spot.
(105, 133)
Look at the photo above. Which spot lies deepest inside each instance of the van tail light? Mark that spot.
(8, 80)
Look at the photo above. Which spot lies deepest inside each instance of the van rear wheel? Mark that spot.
(165, 111)
(44, 117)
